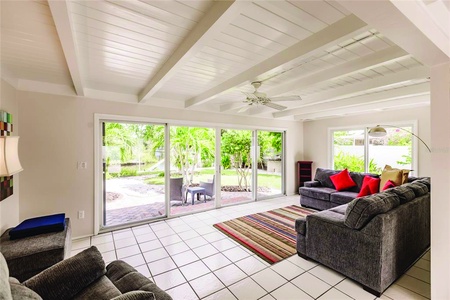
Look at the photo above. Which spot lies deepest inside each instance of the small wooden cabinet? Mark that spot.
(304, 172)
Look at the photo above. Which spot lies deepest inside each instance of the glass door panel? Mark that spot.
(236, 173)
(394, 149)
(133, 172)
(348, 150)
(192, 169)
(270, 164)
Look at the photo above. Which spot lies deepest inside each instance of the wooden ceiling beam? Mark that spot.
(219, 16)
(348, 90)
(63, 22)
(340, 31)
(367, 108)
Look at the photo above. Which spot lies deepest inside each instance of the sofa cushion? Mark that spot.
(341, 209)
(404, 193)
(127, 279)
(321, 193)
(418, 188)
(388, 185)
(426, 181)
(361, 210)
(395, 175)
(342, 197)
(358, 178)
(5, 289)
(370, 185)
(101, 289)
(300, 225)
(323, 176)
(342, 180)
(311, 184)
(136, 295)
(74, 274)
(21, 292)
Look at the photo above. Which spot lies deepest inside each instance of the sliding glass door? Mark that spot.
(192, 169)
(237, 166)
(270, 164)
(133, 172)
(147, 171)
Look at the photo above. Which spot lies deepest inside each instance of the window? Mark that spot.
(355, 150)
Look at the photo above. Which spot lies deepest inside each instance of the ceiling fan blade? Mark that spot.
(276, 106)
(286, 98)
(245, 108)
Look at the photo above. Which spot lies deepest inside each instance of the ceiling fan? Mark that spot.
(257, 98)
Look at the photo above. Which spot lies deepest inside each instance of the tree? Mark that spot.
(188, 146)
(236, 148)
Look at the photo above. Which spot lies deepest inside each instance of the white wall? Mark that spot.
(9, 208)
(316, 140)
(58, 131)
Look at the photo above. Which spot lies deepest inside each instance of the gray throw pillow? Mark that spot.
(361, 210)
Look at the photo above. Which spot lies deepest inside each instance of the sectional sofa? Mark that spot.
(373, 239)
(321, 194)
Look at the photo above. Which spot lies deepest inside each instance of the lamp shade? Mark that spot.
(9, 156)
(377, 131)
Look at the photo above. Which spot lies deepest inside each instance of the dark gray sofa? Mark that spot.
(320, 193)
(81, 277)
(373, 239)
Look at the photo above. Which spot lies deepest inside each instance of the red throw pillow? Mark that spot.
(370, 185)
(389, 184)
(342, 180)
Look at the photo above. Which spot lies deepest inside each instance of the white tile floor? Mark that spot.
(190, 259)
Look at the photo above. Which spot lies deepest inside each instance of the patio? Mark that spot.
(130, 199)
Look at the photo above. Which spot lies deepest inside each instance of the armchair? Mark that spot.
(209, 187)
(83, 276)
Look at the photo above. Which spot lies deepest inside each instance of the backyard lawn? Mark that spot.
(229, 178)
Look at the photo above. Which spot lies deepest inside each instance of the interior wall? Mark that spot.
(58, 131)
(317, 143)
(9, 208)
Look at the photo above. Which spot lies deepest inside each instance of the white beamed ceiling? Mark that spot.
(202, 55)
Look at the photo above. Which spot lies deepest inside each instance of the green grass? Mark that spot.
(229, 177)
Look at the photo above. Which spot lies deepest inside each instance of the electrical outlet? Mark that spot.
(82, 165)
(81, 214)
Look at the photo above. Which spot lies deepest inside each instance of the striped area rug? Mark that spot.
(271, 235)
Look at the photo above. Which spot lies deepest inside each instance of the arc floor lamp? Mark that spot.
(380, 131)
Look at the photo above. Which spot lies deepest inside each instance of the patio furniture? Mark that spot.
(209, 187)
(195, 190)
(177, 190)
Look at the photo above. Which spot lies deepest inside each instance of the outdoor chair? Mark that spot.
(177, 190)
(209, 187)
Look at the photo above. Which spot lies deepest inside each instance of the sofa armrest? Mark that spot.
(127, 279)
(67, 278)
(300, 225)
(312, 183)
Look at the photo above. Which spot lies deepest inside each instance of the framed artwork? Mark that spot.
(6, 127)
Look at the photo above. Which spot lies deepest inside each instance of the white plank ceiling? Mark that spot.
(203, 54)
